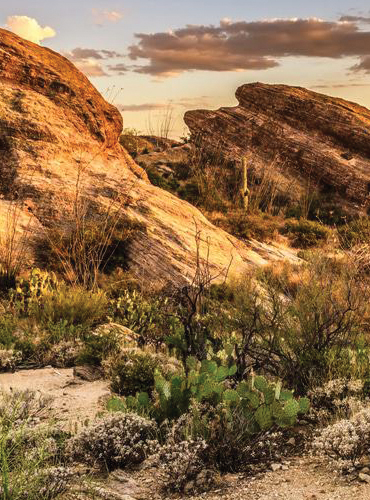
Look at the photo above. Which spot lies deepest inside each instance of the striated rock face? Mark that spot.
(56, 131)
(305, 134)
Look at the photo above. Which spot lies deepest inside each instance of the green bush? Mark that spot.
(143, 316)
(169, 184)
(49, 301)
(303, 339)
(354, 233)
(7, 329)
(133, 372)
(305, 233)
(102, 343)
(260, 226)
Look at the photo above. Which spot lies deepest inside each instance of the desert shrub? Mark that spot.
(305, 233)
(134, 143)
(355, 232)
(117, 440)
(169, 184)
(7, 328)
(190, 192)
(18, 407)
(302, 339)
(346, 441)
(134, 370)
(283, 276)
(258, 225)
(50, 301)
(71, 306)
(142, 315)
(230, 445)
(339, 397)
(184, 466)
(29, 455)
(103, 342)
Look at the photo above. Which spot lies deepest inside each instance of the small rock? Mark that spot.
(88, 373)
(364, 477)
(365, 470)
(275, 467)
(291, 442)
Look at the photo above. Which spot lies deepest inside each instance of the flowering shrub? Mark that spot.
(117, 440)
(184, 466)
(337, 396)
(347, 440)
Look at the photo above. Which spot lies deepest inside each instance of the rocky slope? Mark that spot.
(56, 132)
(305, 135)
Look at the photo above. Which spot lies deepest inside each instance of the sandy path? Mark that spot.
(304, 479)
(74, 400)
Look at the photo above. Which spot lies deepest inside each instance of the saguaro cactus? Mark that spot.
(245, 190)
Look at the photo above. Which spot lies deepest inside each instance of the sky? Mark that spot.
(155, 59)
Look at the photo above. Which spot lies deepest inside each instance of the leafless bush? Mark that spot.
(85, 237)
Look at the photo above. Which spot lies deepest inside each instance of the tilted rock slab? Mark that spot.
(55, 128)
(310, 138)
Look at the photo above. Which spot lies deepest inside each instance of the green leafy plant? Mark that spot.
(305, 233)
(145, 317)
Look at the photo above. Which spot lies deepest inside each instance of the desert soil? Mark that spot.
(75, 400)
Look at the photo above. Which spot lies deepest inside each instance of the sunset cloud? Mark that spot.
(363, 65)
(89, 61)
(258, 45)
(184, 102)
(29, 28)
(111, 16)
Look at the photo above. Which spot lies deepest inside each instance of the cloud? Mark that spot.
(111, 16)
(184, 102)
(119, 68)
(339, 85)
(149, 106)
(355, 19)
(29, 28)
(89, 61)
(235, 46)
(363, 65)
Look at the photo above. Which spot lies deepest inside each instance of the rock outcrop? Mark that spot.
(306, 135)
(57, 132)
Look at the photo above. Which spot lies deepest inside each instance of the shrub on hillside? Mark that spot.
(305, 233)
(260, 226)
(355, 232)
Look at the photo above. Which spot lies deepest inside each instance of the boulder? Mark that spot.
(309, 138)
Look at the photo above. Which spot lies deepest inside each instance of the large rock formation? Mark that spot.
(57, 132)
(308, 136)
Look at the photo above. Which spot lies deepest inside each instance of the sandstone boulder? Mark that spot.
(309, 137)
